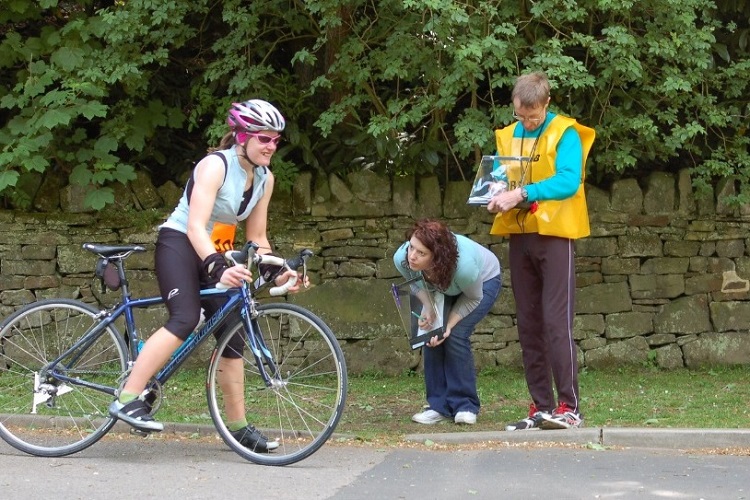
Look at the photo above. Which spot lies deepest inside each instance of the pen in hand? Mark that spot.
(420, 318)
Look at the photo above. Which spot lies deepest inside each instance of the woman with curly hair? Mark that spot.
(468, 275)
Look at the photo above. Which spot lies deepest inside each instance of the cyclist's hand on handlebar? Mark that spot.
(234, 275)
(287, 275)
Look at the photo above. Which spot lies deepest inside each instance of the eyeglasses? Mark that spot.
(266, 139)
(538, 119)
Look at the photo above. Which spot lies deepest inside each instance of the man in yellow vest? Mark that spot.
(543, 211)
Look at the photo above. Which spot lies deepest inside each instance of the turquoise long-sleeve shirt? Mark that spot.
(476, 264)
(568, 164)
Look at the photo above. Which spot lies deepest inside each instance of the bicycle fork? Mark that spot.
(263, 357)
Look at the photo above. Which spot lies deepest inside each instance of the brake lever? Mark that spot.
(304, 255)
(300, 261)
(244, 256)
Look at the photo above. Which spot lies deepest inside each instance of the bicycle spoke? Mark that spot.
(51, 417)
(307, 392)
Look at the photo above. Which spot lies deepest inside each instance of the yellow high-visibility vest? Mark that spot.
(567, 218)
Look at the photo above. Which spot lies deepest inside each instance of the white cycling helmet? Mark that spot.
(255, 115)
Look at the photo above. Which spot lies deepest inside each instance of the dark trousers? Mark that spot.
(449, 373)
(544, 283)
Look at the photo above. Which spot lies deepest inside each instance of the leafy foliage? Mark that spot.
(93, 90)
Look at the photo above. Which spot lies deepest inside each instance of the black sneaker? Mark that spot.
(532, 422)
(252, 439)
(135, 413)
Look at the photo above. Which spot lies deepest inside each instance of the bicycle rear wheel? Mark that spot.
(304, 401)
(42, 415)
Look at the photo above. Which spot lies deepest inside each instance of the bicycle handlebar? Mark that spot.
(249, 253)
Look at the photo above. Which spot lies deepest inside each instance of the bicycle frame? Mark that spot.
(290, 365)
(239, 299)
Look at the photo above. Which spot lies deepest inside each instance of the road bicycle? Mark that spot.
(63, 361)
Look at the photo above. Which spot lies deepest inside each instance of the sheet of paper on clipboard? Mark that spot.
(492, 177)
(412, 298)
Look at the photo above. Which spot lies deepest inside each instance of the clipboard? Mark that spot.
(492, 178)
(411, 298)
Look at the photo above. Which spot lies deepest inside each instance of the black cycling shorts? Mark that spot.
(179, 271)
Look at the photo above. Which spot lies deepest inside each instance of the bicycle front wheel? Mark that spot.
(297, 400)
(39, 413)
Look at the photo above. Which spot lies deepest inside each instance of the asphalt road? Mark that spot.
(176, 466)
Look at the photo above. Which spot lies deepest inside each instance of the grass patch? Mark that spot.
(380, 407)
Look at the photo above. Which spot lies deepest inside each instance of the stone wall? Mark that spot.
(662, 280)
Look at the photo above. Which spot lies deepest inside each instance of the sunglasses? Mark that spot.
(266, 139)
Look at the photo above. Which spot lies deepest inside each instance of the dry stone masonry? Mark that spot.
(663, 279)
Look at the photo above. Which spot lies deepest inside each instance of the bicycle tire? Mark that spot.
(68, 417)
(304, 404)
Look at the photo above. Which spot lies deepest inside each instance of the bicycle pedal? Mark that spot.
(138, 432)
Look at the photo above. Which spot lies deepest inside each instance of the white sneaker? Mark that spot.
(465, 417)
(428, 417)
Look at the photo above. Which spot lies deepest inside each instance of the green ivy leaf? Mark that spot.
(81, 175)
(596, 446)
(8, 178)
(98, 198)
(105, 144)
(91, 110)
(53, 117)
(68, 58)
(36, 163)
(124, 173)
